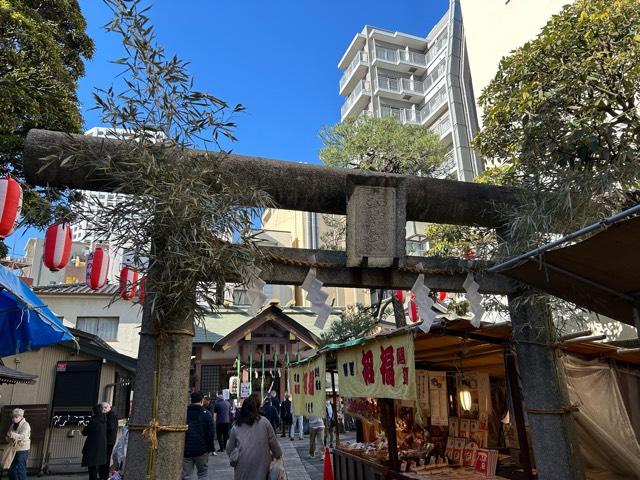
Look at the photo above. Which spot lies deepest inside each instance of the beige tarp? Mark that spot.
(607, 440)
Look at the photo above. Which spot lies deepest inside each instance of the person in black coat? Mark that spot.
(198, 441)
(271, 414)
(94, 452)
(112, 433)
(285, 414)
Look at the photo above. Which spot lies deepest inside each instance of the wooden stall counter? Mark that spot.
(348, 466)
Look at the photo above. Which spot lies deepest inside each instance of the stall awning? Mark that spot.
(26, 323)
(599, 273)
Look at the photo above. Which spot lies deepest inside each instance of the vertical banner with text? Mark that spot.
(381, 368)
(308, 387)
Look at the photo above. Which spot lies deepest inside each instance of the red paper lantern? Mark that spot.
(442, 296)
(413, 311)
(128, 282)
(57, 246)
(400, 295)
(10, 205)
(97, 269)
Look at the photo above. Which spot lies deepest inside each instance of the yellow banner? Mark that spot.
(382, 368)
(308, 388)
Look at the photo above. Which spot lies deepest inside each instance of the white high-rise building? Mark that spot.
(420, 81)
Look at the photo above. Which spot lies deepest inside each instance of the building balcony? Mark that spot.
(442, 126)
(403, 115)
(402, 60)
(400, 88)
(357, 100)
(354, 72)
(434, 106)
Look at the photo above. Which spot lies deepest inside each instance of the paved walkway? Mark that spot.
(219, 468)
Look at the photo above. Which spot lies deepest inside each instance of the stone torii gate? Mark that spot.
(377, 208)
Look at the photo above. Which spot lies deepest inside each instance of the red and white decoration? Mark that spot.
(128, 282)
(10, 205)
(413, 310)
(57, 246)
(97, 268)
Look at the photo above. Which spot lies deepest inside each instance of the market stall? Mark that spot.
(448, 404)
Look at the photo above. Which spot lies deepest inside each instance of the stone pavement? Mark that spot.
(219, 468)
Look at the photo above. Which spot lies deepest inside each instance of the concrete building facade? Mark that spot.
(418, 80)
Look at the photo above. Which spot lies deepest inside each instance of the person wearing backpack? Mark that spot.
(252, 443)
(198, 442)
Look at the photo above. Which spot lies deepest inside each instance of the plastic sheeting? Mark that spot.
(608, 443)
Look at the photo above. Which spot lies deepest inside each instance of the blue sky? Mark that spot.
(279, 59)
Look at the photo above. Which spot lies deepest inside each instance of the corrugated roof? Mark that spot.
(75, 289)
(221, 323)
(9, 375)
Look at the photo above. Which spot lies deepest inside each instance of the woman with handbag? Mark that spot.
(17, 452)
(252, 443)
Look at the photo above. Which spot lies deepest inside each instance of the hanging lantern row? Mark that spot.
(10, 205)
(412, 308)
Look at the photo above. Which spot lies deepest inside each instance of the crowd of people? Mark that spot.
(247, 435)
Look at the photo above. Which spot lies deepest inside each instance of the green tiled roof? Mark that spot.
(219, 324)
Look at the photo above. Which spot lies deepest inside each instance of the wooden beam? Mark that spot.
(289, 266)
(292, 185)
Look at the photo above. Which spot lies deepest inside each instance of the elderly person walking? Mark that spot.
(18, 438)
(252, 443)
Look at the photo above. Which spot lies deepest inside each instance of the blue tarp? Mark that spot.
(26, 323)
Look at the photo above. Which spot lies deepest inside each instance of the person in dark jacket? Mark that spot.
(271, 414)
(208, 406)
(112, 433)
(222, 409)
(285, 414)
(94, 452)
(198, 439)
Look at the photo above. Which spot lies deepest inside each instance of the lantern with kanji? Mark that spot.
(10, 205)
(128, 282)
(57, 246)
(97, 268)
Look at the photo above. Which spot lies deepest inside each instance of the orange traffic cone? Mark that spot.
(327, 470)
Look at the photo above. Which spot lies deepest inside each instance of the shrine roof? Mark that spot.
(219, 327)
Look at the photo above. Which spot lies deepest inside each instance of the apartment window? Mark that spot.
(388, 111)
(104, 327)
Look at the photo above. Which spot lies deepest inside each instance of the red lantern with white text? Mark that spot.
(10, 205)
(128, 282)
(57, 246)
(97, 269)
